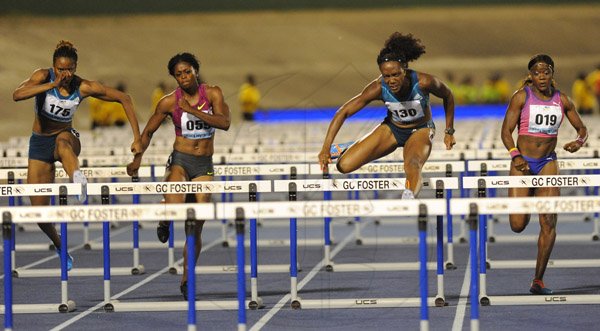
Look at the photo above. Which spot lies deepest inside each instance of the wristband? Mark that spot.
(580, 140)
(514, 152)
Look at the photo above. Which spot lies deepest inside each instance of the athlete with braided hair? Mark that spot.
(538, 109)
(408, 123)
(58, 92)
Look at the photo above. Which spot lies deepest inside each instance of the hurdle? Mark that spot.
(448, 168)
(250, 187)
(91, 173)
(349, 208)
(70, 214)
(482, 183)
(505, 206)
(329, 185)
(483, 167)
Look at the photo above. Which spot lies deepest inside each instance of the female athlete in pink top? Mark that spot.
(538, 108)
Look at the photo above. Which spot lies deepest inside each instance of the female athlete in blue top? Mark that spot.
(58, 92)
(408, 124)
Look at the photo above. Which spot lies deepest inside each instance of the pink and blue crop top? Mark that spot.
(541, 118)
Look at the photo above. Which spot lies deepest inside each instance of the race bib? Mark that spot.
(406, 111)
(194, 128)
(545, 119)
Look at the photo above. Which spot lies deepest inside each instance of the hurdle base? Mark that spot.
(118, 306)
(37, 308)
(277, 243)
(76, 272)
(527, 264)
(555, 299)
(229, 269)
(367, 267)
(258, 304)
(129, 245)
(362, 303)
(138, 270)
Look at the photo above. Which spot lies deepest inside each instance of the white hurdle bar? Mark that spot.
(349, 208)
(528, 205)
(482, 183)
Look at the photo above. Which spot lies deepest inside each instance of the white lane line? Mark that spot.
(271, 313)
(461, 307)
(127, 290)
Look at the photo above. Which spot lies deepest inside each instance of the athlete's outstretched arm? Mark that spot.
(163, 108)
(369, 93)
(97, 90)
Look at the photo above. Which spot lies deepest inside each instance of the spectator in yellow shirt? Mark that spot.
(249, 97)
(157, 94)
(114, 111)
(583, 95)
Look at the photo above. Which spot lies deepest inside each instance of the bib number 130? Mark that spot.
(403, 113)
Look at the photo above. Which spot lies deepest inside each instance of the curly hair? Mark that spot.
(402, 48)
(65, 48)
(184, 57)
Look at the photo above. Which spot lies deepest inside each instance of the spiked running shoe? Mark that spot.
(336, 150)
(163, 232)
(408, 195)
(537, 287)
(78, 177)
(69, 259)
(184, 290)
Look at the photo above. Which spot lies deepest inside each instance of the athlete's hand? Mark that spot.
(572, 146)
(132, 168)
(449, 141)
(184, 104)
(62, 77)
(521, 164)
(324, 159)
(136, 147)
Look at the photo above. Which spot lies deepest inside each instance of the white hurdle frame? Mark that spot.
(528, 205)
(154, 212)
(431, 167)
(478, 166)
(482, 183)
(342, 208)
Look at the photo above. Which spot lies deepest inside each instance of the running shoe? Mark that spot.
(78, 177)
(538, 287)
(69, 259)
(184, 290)
(408, 195)
(337, 150)
(163, 232)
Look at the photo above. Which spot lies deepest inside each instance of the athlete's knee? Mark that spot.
(518, 223)
(63, 144)
(343, 167)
